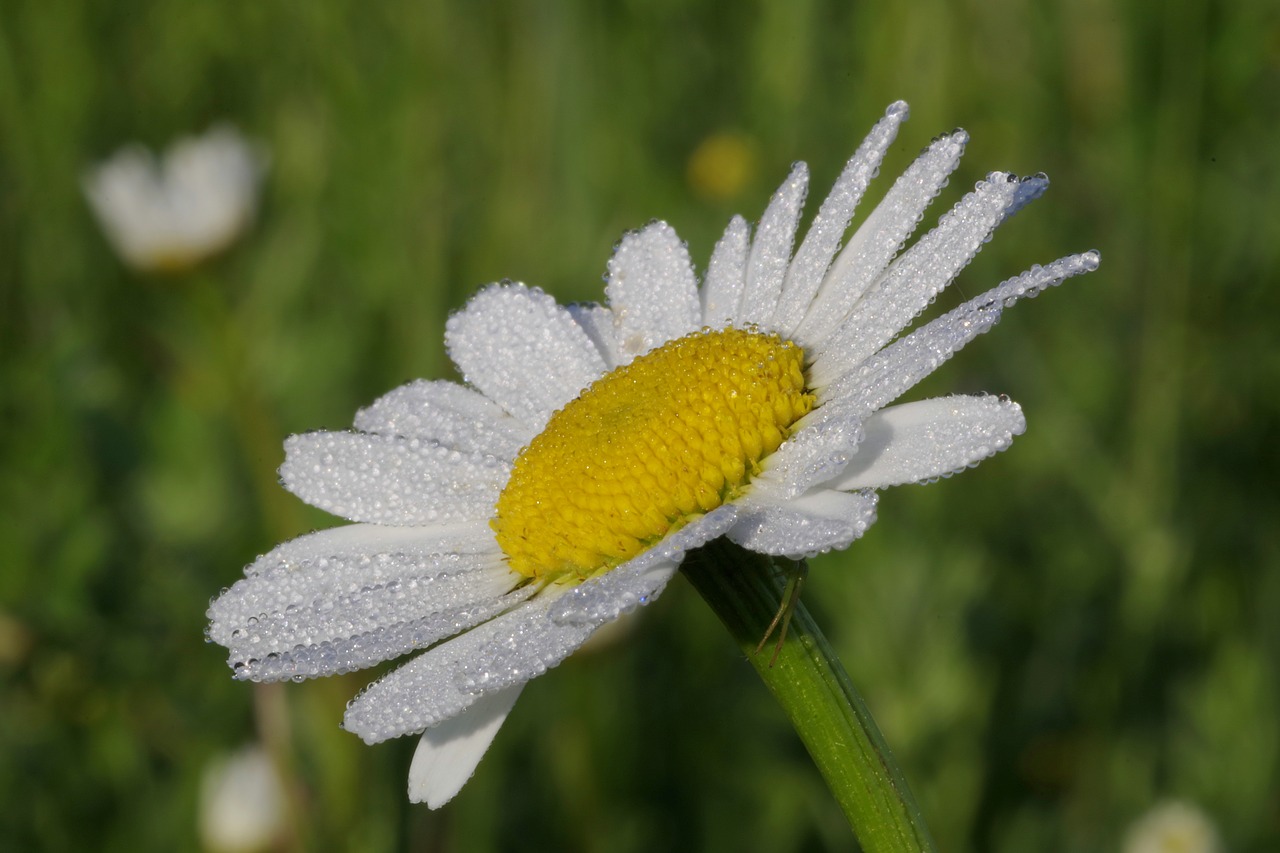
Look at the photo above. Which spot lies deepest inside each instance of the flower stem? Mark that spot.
(808, 681)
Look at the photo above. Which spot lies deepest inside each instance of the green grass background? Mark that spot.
(1082, 627)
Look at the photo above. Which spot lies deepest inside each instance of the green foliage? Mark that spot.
(1052, 643)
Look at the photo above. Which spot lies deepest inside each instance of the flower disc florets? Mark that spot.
(674, 434)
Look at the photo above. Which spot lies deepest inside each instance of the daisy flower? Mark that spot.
(242, 803)
(169, 214)
(1173, 827)
(499, 523)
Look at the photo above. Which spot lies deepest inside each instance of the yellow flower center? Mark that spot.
(648, 447)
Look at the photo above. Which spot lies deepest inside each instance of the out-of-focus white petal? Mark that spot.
(448, 753)
(522, 350)
(651, 290)
(170, 214)
(242, 803)
(391, 480)
(822, 520)
(924, 270)
(814, 256)
(448, 414)
(726, 275)
(1173, 827)
(771, 249)
(923, 440)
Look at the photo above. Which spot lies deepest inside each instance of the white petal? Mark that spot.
(391, 480)
(447, 754)
(818, 450)
(880, 238)
(175, 212)
(930, 438)
(242, 802)
(918, 276)
(894, 370)
(514, 658)
(519, 645)
(651, 290)
(726, 275)
(350, 597)
(522, 350)
(821, 520)
(823, 238)
(355, 540)
(429, 689)
(641, 579)
(597, 321)
(771, 248)
(448, 414)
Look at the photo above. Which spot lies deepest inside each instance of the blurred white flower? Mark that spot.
(1173, 827)
(242, 804)
(169, 214)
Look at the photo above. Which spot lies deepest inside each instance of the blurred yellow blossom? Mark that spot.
(721, 165)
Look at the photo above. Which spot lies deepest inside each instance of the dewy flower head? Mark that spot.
(500, 523)
(169, 215)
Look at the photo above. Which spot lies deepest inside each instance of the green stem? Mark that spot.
(814, 691)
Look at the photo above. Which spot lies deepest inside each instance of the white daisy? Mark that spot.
(500, 523)
(170, 214)
(242, 803)
(1173, 827)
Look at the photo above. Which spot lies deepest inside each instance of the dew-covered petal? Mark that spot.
(597, 321)
(726, 275)
(448, 414)
(426, 691)
(522, 350)
(818, 450)
(651, 290)
(518, 645)
(879, 239)
(448, 753)
(574, 616)
(920, 441)
(897, 368)
(350, 597)
(470, 539)
(820, 244)
(818, 521)
(389, 479)
(771, 249)
(640, 579)
(926, 268)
